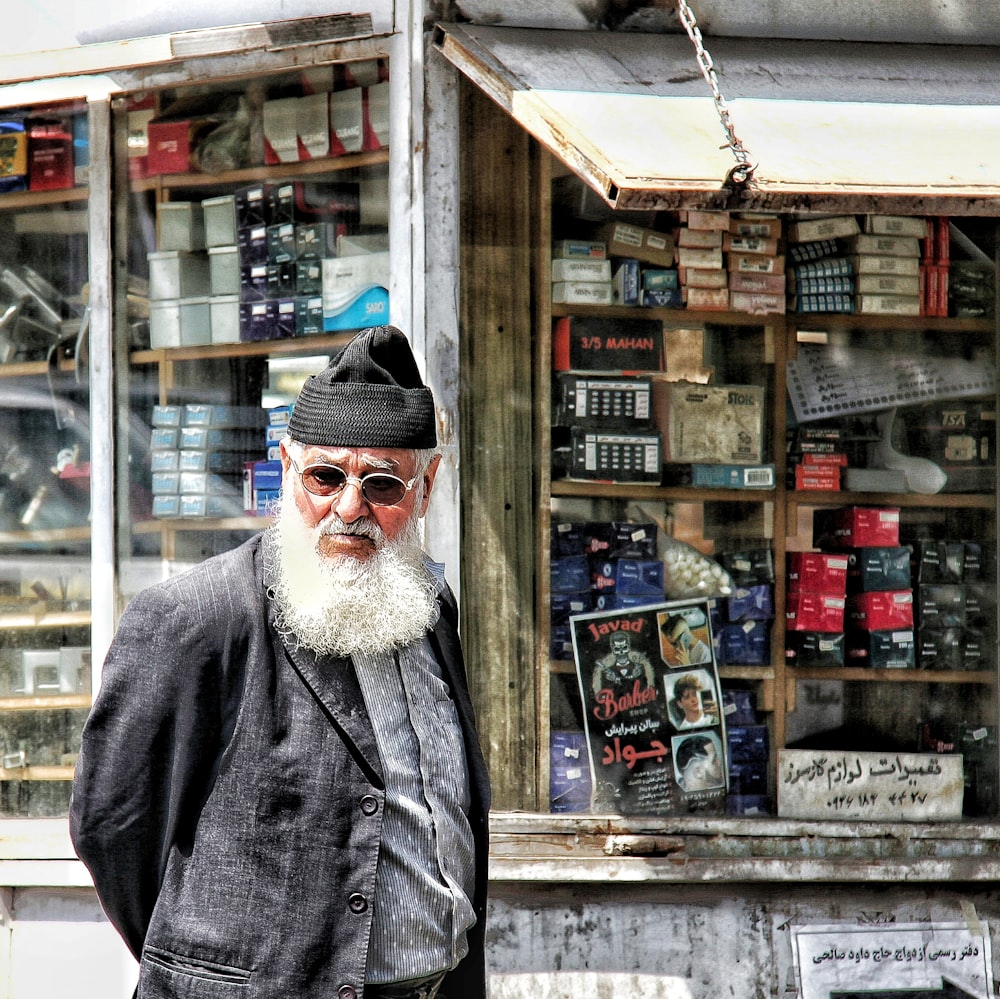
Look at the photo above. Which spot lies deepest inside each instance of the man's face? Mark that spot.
(349, 504)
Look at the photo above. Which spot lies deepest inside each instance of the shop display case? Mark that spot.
(45, 606)
(250, 239)
(713, 396)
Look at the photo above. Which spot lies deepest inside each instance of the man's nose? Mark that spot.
(350, 505)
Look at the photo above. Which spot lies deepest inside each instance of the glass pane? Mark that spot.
(45, 605)
(854, 623)
(257, 240)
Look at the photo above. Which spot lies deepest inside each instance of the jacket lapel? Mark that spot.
(334, 684)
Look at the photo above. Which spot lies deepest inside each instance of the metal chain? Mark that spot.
(742, 174)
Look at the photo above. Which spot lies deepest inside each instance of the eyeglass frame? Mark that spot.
(359, 479)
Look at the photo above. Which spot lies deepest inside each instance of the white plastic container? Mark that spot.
(180, 225)
(220, 220)
(177, 274)
(225, 318)
(224, 270)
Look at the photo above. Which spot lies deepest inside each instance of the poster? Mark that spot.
(920, 960)
(652, 708)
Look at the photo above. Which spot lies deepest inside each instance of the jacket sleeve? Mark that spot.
(149, 754)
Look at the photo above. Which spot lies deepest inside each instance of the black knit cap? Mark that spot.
(371, 395)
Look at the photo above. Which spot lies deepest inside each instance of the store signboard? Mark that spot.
(652, 708)
(883, 787)
(892, 960)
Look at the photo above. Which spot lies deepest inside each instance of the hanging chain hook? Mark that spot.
(740, 177)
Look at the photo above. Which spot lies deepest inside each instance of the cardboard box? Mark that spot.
(623, 240)
(355, 288)
(711, 424)
(897, 225)
(50, 157)
(744, 644)
(628, 577)
(941, 605)
(732, 476)
(347, 121)
(883, 246)
(13, 156)
(753, 565)
(171, 144)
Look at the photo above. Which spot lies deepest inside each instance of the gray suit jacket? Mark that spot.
(228, 797)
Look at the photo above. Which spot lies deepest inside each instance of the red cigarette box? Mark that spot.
(817, 572)
(881, 610)
(50, 157)
(856, 527)
(814, 612)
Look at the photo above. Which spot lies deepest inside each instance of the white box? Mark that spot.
(224, 312)
(345, 278)
(177, 274)
(180, 225)
(224, 270)
(195, 322)
(582, 293)
(580, 269)
(711, 424)
(377, 115)
(347, 120)
(164, 323)
(220, 220)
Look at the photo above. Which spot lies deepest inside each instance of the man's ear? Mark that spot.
(428, 482)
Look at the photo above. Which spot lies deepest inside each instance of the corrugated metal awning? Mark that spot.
(829, 126)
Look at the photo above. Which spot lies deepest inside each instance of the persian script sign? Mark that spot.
(884, 787)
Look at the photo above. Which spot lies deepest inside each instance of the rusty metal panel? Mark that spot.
(829, 126)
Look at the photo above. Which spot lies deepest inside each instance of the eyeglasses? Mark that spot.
(377, 488)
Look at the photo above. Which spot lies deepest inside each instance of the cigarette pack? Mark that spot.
(756, 302)
(698, 238)
(878, 568)
(768, 284)
(856, 527)
(883, 246)
(579, 249)
(762, 226)
(688, 256)
(756, 263)
(817, 572)
(893, 648)
(833, 227)
(888, 284)
(814, 612)
(580, 269)
(708, 298)
(880, 610)
(888, 305)
(765, 246)
(582, 293)
(703, 277)
(897, 225)
(870, 263)
(814, 648)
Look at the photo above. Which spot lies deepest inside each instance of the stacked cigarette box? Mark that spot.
(934, 267)
(748, 744)
(701, 261)
(879, 619)
(741, 626)
(600, 565)
(955, 603)
(814, 608)
(755, 261)
(820, 274)
(581, 273)
(642, 264)
(197, 453)
(886, 263)
(816, 458)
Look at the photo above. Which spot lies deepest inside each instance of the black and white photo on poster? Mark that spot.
(652, 708)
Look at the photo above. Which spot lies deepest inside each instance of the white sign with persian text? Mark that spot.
(924, 960)
(883, 787)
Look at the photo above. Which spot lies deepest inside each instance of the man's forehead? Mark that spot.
(376, 457)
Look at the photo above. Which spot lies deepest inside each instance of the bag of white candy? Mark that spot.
(688, 573)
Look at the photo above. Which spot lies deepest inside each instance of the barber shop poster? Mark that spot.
(652, 709)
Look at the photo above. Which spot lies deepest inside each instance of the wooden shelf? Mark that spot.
(247, 523)
(598, 489)
(320, 343)
(253, 175)
(858, 675)
(52, 536)
(43, 702)
(21, 200)
(30, 619)
(36, 773)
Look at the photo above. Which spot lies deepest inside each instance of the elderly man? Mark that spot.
(281, 792)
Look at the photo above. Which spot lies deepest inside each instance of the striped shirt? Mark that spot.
(426, 871)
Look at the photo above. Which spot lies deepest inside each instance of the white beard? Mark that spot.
(338, 605)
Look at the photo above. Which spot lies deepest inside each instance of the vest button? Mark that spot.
(369, 804)
(347, 992)
(357, 902)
